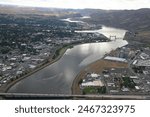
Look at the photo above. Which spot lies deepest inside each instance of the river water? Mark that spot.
(58, 77)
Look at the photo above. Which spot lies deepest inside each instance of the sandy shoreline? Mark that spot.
(96, 67)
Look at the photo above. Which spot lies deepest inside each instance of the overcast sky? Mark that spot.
(100, 4)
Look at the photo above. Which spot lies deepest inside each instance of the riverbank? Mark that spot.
(58, 54)
(96, 67)
(50, 61)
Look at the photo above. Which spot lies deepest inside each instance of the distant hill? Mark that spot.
(12, 9)
(134, 20)
(137, 21)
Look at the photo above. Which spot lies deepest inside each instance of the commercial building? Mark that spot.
(115, 59)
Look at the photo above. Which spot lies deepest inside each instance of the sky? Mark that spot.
(97, 4)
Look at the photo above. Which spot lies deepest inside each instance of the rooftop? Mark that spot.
(95, 83)
(115, 59)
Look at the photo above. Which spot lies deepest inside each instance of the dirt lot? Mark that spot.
(96, 67)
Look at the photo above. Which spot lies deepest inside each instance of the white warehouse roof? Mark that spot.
(95, 83)
(115, 59)
(93, 75)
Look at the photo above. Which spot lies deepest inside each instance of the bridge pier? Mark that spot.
(113, 37)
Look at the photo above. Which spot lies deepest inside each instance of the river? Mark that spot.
(58, 77)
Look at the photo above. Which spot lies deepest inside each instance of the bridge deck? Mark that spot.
(64, 96)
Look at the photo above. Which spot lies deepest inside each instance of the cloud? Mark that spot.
(101, 4)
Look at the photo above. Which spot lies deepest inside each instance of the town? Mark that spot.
(134, 78)
(29, 42)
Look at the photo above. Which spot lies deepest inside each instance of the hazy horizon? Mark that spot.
(81, 4)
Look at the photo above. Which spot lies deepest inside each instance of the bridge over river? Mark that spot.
(62, 96)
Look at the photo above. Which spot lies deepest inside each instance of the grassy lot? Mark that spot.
(127, 82)
(89, 90)
(96, 67)
(94, 90)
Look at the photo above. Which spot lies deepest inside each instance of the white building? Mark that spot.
(134, 77)
(144, 56)
(137, 87)
(95, 83)
(115, 59)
